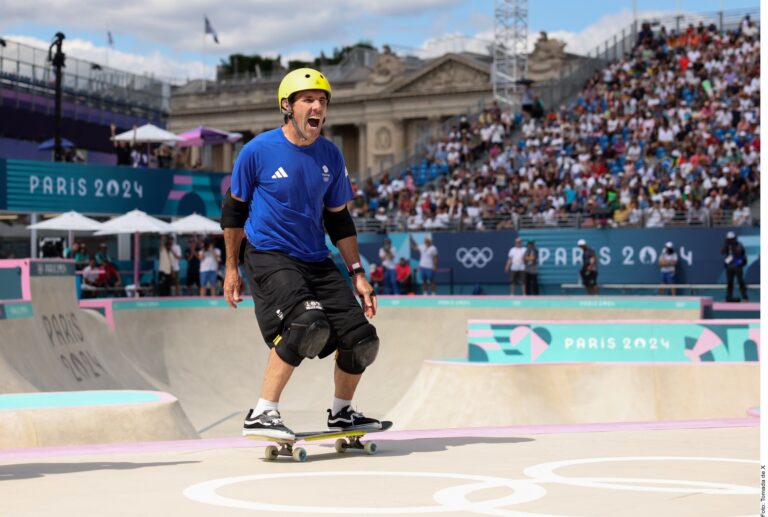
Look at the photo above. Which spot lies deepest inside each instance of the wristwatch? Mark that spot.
(356, 269)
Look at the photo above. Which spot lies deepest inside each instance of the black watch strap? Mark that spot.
(356, 269)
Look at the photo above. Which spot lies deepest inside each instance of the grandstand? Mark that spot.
(93, 97)
(666, 133)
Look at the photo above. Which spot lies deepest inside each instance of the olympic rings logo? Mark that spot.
(474, 257)
(456, 498)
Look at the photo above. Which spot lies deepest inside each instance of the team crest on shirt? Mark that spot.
(326, 174)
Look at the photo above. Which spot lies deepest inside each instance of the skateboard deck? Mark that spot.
(348, 439)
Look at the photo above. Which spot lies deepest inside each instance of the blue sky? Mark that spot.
(166, 38)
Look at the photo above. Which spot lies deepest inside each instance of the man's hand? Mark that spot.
(367, 295)
(233, 285)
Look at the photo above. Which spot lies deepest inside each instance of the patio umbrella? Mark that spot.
(135, 222)
(148, 134)
(203, 135)
(51, 143)
(68, 221)
(195, 224)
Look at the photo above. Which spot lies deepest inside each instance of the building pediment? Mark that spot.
(448, 73)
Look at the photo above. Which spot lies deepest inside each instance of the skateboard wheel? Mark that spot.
(299, 454)
(341, 445)
(270, 453)
(370, 448)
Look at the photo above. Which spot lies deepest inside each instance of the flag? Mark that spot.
(110, 40)
(210, 30)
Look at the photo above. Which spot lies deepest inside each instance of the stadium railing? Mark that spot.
(399, 223)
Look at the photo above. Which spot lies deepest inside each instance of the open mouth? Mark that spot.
(313, 122)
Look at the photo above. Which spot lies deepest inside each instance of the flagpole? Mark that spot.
(204, 35)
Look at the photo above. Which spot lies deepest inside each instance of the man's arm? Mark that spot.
(350, 253)
(234, 213)
(434, 261)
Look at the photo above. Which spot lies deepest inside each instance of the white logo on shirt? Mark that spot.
(326, 174)
(279, 173)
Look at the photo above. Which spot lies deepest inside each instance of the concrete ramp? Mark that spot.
(463, 394)
(82, 417)
(49, 344)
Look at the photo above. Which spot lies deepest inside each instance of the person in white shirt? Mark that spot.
(654, 218)
(175, 256)
(387, 257)
(515, 266)
(165, 268)
(742, 215)
(427, 264)
(667, 265)
(91, 276)
(210, 258)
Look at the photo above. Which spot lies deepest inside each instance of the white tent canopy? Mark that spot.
(195, 223)
(148, 134)
(134, 221)
(68, 221)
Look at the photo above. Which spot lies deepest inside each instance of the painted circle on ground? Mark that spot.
(545, 472)
(524, 491)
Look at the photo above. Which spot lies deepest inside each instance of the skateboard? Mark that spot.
(349, 439)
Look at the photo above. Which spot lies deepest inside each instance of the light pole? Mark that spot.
(57, 60)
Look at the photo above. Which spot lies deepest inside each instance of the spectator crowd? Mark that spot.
(668, 135)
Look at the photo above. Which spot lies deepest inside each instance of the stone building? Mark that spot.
(382, 104)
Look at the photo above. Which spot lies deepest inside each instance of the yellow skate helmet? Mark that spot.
(299, 80)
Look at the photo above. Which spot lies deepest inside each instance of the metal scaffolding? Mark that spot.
(510, 50)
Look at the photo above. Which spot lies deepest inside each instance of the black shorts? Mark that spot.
(589, 278)
(279, 282)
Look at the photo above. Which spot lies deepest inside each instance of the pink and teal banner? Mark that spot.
(503, 341)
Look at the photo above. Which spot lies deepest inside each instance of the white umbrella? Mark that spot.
(135, 222)
(195, 224)
(148, 134)
(69, 222)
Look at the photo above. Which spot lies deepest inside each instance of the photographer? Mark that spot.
(735, 259)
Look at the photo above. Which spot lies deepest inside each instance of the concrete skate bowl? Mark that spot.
(211, 358)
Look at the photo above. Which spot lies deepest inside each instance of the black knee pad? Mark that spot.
(305, 332)
(358, 349)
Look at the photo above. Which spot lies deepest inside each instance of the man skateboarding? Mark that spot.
(287, 184)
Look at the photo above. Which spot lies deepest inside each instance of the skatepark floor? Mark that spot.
(704, 468)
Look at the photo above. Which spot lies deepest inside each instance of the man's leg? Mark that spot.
(345, 383)
(276, 376)
(742, 285)
(729, 273)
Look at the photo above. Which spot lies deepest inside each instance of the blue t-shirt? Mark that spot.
(287, 187)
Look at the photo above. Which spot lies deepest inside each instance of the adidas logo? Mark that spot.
(279, 173)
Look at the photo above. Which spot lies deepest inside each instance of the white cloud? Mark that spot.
(576, 42)
(400, 7)
(263, 27)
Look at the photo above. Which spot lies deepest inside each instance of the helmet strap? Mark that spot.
(296, 125)
(289, 113)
